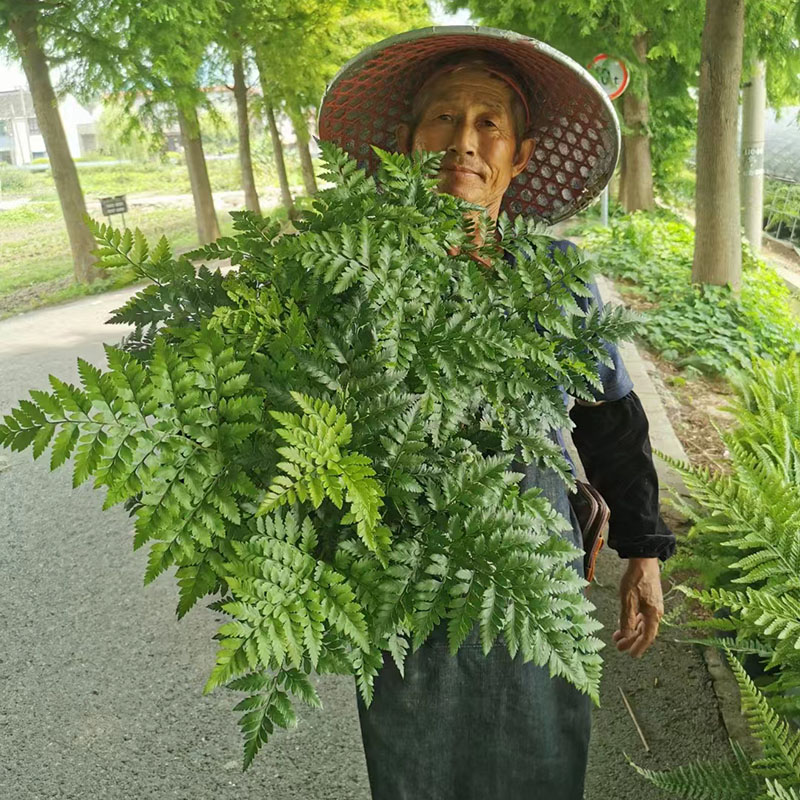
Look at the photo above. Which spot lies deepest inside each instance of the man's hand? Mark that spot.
(641, 606)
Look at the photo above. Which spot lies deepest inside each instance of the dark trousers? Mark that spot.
(475, 727)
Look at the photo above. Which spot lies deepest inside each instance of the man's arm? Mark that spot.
(611, 437)
(612, 440)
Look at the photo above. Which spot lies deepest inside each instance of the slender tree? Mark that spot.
(28, 23)
(299, 53)
(150, 57)
(636, 178)
(240, 90)
(277, 145)
(176, 46)
(232, 55)
(302, 138)
(205, 215)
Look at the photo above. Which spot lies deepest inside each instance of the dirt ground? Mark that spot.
(29, 296)
(695, 405)
(698, 415)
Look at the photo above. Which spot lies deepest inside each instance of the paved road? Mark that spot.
(101, 687)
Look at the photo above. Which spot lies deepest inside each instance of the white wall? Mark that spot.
(72, 115)
(18, 130)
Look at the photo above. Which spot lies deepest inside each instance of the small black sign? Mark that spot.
(113, 205)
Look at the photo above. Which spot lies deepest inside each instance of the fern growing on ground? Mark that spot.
(744, 543)
(775, 775)
(325, 439)
(744, 548)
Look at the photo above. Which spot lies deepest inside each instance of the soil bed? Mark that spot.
(695, 405)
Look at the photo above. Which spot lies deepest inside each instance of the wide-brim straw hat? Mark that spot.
(574, 123)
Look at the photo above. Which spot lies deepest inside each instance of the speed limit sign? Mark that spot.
(610, 73)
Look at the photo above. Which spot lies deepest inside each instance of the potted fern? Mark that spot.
(322, 441)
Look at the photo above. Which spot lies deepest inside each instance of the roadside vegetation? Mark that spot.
(35, 262)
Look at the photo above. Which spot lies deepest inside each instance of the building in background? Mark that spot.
(21, 141)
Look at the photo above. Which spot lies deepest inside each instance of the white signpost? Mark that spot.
(612, 75)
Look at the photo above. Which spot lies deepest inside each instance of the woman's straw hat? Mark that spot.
(573, 121)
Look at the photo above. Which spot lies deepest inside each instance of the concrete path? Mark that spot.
(102, 687)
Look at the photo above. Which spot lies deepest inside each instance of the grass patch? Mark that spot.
(36, 248)
(146, 177)
(36, 265)
(60, 290)
(35, 258)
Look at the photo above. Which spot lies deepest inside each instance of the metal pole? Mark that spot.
(604, 206)
(752, 158)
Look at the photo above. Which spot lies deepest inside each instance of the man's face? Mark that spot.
(468, 115)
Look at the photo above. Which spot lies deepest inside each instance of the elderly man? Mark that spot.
(524, 130)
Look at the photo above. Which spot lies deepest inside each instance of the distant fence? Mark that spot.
(782, 210)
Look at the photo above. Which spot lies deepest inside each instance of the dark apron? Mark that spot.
(475, 727)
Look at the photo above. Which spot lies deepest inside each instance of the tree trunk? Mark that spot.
(307, 165)
(277, 146)
(280, 164)
(754, 100)
(300, 126)
(718, 239)
(207, 226)
(636, 173)
(245, 158)
(65, 175)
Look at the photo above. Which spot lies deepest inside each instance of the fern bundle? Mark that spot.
(324, 438)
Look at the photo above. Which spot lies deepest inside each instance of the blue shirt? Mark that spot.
(615, 380)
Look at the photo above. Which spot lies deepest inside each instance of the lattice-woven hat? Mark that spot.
(573, 121)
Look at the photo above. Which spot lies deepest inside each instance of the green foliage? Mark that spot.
(306, 47)
(773, 776)
(743, 545)
(324, 437)
(771, 34)
(126, 136)
(782, 204)
(14, 180)
(147, 57)
(219, 130)
(672, 31)
(708, 328)
(743, 552)
(673, 122)
(678, 188)
(165, 175)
